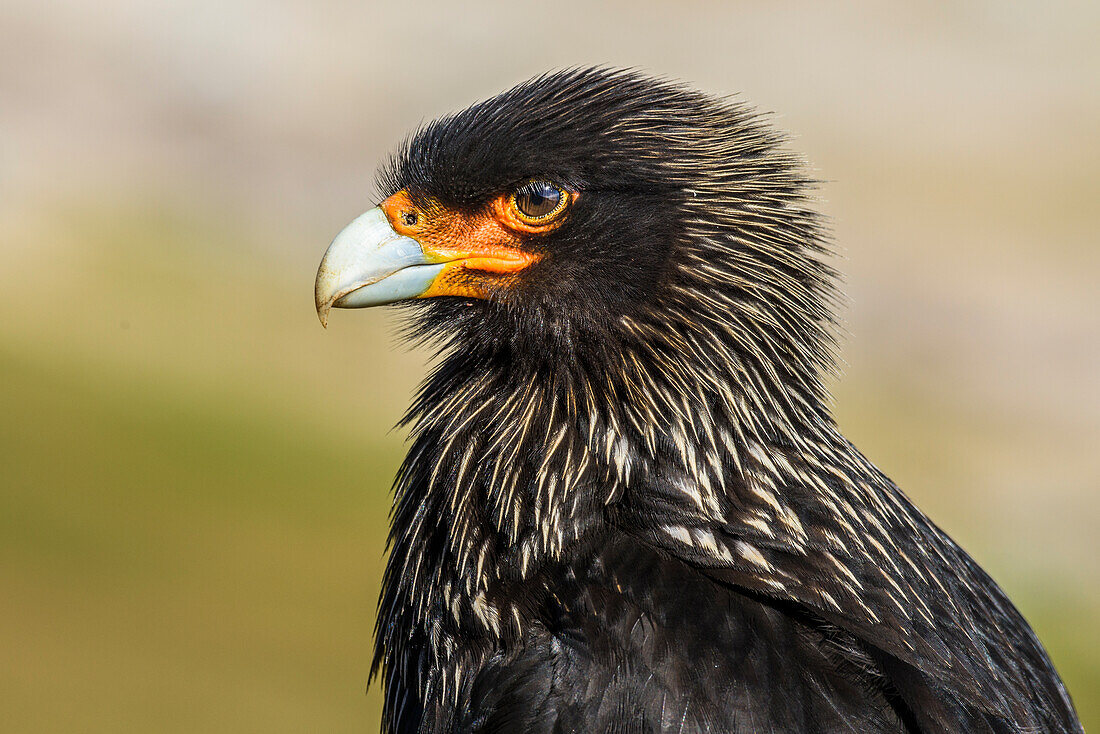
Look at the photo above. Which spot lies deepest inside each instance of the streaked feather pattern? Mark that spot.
(626, 507)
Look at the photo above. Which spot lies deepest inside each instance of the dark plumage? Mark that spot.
(626, 507)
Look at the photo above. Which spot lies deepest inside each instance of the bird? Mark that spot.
(626, 506)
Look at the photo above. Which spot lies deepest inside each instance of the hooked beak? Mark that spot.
(369, 264)
(383, 257)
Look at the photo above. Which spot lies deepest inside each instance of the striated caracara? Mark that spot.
(626, 507)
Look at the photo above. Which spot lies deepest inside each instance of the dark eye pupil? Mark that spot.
(538, 199)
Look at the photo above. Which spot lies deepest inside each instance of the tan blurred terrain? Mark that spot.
(194, 476)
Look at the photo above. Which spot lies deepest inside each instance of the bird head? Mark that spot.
(591, 214)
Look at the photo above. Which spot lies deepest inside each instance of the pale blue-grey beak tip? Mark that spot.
(369, 264)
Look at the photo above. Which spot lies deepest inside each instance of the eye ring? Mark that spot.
(534, 203)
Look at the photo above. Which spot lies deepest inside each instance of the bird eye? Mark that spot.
(539, 201)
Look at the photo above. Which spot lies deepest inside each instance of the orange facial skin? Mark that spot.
(476, 246)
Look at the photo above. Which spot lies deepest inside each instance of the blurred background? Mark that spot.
(194, 476)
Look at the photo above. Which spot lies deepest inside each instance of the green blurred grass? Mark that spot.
(178, 565)
(195, 488)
